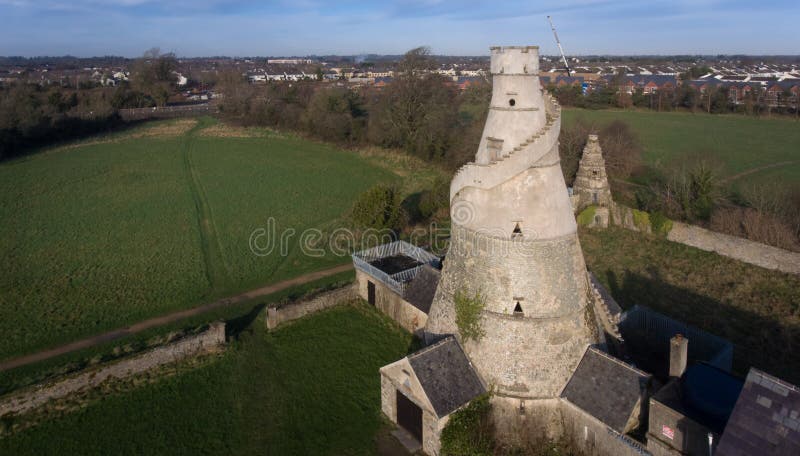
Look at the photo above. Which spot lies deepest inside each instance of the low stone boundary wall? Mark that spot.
(745, 250)
(278, 315)
(737, 248)
(37, 395)
(167, 112)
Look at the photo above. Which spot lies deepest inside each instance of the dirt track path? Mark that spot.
(169, 318)
(757, 169)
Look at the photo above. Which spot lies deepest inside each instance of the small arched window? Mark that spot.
(518, 310)
(512, 102)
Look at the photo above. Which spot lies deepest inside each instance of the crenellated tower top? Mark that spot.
(515, 60)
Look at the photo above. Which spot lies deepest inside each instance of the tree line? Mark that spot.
(32, 115)
(421, 113)
(690, 191)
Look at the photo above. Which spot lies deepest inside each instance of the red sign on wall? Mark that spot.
(668, 432)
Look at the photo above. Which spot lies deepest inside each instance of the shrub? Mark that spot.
(641, 220)
(660, 224)
(586, 217)
(436, 199)
(469, 431)
(621, 149)
(468, 314)
(377, 208)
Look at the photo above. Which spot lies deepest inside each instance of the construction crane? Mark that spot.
(558, 42)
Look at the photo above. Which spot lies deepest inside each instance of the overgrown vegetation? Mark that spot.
(642, 220)
(750, 306)
(708, 189)
(421, 113)
(586, 217)
(378, 208)
(660, 224)
(621, 148)
(469, 307)
(469, 431)
(32, 115)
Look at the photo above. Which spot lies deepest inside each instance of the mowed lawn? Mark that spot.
(311, 387)
(731, 144)
(102, 235)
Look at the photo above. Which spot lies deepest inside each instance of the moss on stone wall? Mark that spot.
(641, 219)
(468, 314)
(586, 217)
(660, 224)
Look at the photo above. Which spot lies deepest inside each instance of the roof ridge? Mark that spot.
(783, 383)
(619, 361)
(431, 347)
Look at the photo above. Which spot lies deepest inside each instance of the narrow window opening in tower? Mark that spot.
(594, 173)
(594, 197)
(512, 102)
(494, 148)
(517, 231)
(518, 310)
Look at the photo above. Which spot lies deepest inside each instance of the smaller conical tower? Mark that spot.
(591, 183)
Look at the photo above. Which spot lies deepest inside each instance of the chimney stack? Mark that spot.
(678, 355)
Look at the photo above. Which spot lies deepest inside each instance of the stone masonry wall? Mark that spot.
(279, 315)
(529, 355)
(737, 248)
(747, 251)
(35, 396)
(392, 304)
(595, 438)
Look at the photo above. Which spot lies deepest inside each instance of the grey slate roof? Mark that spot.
(765, 420)
(446, 376)
(606, 388)
(422, 287)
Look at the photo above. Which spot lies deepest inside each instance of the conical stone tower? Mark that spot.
(591, 181)
(514, 240)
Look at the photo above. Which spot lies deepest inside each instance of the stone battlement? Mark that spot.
(515, 60)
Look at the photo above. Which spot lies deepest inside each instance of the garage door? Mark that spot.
(409, 416)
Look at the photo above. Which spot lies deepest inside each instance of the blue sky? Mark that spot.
(463, 27)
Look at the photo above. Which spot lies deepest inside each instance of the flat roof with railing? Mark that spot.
(394, 264)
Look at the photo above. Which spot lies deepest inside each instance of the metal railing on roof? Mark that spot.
(399, 280)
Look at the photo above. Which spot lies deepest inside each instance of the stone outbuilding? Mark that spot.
(605, 400)
(400, 280)
(591, 186)
(420, 391)
(765, 419)
(688, 415)
(609, 390)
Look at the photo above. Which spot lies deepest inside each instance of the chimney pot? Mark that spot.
(678, 355)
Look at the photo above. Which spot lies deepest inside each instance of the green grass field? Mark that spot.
(755, 308)
(260, 397)
(731, 144)
(104, 234)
